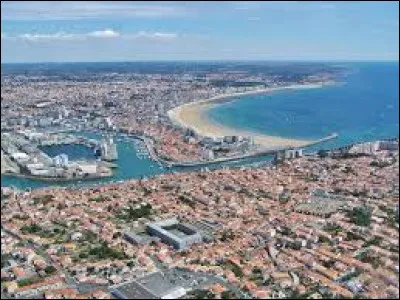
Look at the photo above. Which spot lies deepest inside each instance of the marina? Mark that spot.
(57, 156)
(133, 162)
(137, 159)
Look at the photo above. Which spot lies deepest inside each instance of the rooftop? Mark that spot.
(153, 286)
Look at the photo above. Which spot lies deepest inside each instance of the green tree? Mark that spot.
(360, 216)
(50, 270)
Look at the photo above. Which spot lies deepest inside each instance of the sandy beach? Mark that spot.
(194, 115)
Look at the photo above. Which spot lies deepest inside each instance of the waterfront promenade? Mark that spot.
(244, 156)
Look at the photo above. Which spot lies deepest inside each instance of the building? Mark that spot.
(230, 139)
(139, 238)
(109, 123)
(283, 155)
(174, 233)
(153, 286)
(87, 168)
(365, 148)
(45, 122)
(20, 157)
(60, 160)
(208, 154)
(30, 291)
(108, 149)
(389, 145)
(319, 206)
(293, 153)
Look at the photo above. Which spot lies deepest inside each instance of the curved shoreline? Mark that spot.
(194, 116)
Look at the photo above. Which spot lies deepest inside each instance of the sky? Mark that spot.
(75, 31)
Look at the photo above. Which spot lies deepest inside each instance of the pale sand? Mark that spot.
(193, 116)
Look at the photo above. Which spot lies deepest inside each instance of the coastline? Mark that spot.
(194, 116)
(53, 179)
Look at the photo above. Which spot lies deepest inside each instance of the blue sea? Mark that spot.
(363, 106)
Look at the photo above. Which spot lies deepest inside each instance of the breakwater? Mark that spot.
(245, 156)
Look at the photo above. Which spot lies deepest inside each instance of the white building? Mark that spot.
(60, 160)
(20, 157)
(88, 168)
(208, 154)
(109, 123)
(293, 153)
(109, 149)
(388, 145)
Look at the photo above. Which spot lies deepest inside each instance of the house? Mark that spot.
(40, 287)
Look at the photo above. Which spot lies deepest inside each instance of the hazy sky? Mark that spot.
(131, 31)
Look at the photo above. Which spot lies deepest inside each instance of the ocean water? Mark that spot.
(363, 106)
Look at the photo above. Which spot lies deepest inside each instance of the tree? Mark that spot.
(333, 227)
(32, 229)
(360, 216)
(130, 264)
(50, 270)
(201, 294)
(227, 295)
(117, 235)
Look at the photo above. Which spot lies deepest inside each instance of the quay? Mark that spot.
(23, 156)
(149, 143)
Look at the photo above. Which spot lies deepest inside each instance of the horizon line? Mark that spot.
(206, 60)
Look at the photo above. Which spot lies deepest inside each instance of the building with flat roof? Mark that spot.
(152, 286)
(177, 234)
(139, 238)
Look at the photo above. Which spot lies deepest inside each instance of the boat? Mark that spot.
(97, 151)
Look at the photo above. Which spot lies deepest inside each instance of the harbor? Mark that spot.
(42, 156)
(133, 162)
(137, 158)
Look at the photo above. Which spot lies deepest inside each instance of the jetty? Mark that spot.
(244, 156)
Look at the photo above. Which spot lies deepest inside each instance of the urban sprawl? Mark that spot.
(309, 225)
